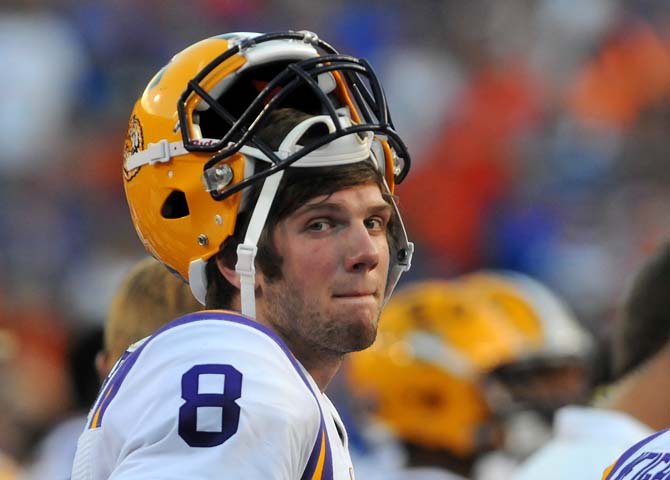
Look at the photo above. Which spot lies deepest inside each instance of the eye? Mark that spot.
(376, 224)
(319, 225)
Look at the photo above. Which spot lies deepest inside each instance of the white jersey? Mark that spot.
(649, 459)
(585, 440)
(415, 473)
(212, 395)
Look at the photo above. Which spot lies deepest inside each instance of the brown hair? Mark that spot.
(298, 186)
(642, 328)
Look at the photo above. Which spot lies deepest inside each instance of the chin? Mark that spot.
(360, 334)
(362, 344)
(349, 327)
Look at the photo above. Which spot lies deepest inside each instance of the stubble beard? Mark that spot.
(311, 332)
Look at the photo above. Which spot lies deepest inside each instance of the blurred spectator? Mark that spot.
(423, 85)
(35, 391)
(631, 72)
(54, 454)
(468, 168)
(47, 65)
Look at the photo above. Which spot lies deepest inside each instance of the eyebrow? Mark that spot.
(336, 207)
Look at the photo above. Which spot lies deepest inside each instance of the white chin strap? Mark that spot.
(246, 252)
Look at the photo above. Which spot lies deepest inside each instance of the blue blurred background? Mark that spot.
(539, 131)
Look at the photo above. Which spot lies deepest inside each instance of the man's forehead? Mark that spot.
(367, 195)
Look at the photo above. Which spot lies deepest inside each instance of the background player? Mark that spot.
(636, 403)
(467, 366)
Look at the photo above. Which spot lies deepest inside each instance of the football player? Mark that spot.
(460, 365)
(635, 403)
(261, 169)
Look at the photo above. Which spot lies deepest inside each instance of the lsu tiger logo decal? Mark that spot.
(133, 144)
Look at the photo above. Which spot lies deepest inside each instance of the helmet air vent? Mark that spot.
(175, 205)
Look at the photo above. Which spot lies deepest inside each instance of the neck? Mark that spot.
(321, 364)
(645, 393)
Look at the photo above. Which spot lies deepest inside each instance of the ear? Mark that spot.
(232, 276)
(228, 273)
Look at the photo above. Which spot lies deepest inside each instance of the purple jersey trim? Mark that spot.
(234, 318)
(328, 463)
(111, 385)
(310, 469)
(632, 450)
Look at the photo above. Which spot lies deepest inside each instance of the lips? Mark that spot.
(355, 293)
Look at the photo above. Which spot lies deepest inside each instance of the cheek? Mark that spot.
(310, 265)
(384, 255)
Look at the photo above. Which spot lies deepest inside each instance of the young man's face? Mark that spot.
(335, 262)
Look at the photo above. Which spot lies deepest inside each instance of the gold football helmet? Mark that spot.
(191, 147)
(438, 341)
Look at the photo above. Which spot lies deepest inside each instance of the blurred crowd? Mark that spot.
(538, 129)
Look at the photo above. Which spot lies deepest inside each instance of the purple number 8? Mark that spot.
(193, 399)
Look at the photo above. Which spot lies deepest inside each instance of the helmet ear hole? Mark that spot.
(175, 205)
(314, 132)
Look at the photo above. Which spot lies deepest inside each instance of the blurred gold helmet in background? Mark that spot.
(439, 342)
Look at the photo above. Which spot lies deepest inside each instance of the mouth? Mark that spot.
(355, 294)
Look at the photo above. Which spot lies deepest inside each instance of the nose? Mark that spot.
(362, 250)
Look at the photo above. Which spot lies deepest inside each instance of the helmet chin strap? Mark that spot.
(246, 252)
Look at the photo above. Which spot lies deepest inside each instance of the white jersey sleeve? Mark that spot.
(210, 395)
(649, 459)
